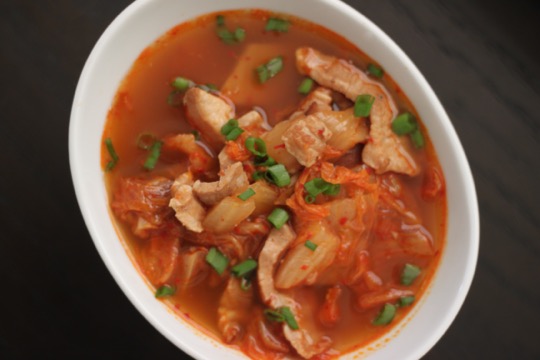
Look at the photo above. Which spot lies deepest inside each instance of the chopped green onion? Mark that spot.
(256, 146)
(270, 69)
(196, 134)
(277, 24)
(404, 124)
(234, 134)
(318, 186)
(273, 315)
(173, 98)
(289, 317)
(362, 105)
(212, 86)
(406, 300)
(239, 34)
(375, 70)
(310, 245)
(145, 141)
(152, 159)
(278, 217)
(278, 175)
(182, 84)
(257, 175)
(265, 161)
(310, 199)
(409, 274)
(417, 139)
(165, 290)
(230, 125)
(246, 194)
(386, 315)
(217, 260)
(244, 268)
(305, 86)
(114, 156)
(220, 20)
(245, 284)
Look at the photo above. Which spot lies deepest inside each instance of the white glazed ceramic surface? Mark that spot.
(146, 20)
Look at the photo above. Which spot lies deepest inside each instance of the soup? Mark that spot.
(273, 185)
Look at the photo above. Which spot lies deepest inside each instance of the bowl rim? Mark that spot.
(78, 174)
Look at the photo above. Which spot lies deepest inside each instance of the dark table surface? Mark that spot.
(482, 57)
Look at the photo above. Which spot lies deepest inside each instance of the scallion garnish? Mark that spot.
(289, 317)
(273, 315)
(231, 130)
(310, 245)
(278, 175)
(231, 37)
(362, 105)
(220, 20)
(217, 260)
(310, 199)
(270, 69)
(406, 300)
(404, 124)
(114, 156)
(153, 156)
(196, 134)
(375, 70)
(305, 86)
(386, 315)
(257, 175)
(245, 284)
(244, 268)
(173, 99)
(265, 161)
(145, 141)
(234, 134)
(278, 217)
(409, 274)
(277, 24)
(318, 186)
(212, 86)
(256, 146)
(165, 290)
(417, 138)
(239, 34)
(182, 84)
(246, 194)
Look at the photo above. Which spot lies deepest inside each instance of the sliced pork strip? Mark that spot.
(306, 139)
(321, 98)
(233, 310)
(385, 151)
(233, 180)
(251, 119)
(303, 340)
(188, 209)
(208, 113)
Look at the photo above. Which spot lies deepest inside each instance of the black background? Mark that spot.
(57, 299)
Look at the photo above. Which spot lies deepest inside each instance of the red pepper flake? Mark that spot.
(187, 315)
(303, 267)
(280, 146)
(370, 139)
(177, 307)
(343, 221)
(320, 132)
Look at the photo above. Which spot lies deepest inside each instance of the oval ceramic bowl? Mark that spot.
(141, 24)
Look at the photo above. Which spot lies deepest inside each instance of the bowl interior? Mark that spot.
(141, 24)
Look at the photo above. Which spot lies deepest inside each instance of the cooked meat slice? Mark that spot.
(233, 180)
(208, 113)
(234, 310)
(189, 210)
(321, 98)
(306, 139)
(306, 341)
(385, 151)
(250, 119)
(143, 203)
(225, 160)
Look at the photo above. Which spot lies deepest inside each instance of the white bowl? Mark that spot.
(146, 20)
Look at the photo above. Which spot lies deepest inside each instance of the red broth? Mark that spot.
(193, 50)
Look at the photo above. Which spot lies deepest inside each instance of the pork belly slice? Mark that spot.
(208, 113)
(306, 139)
(188, 209)
(385, 151)
(233, 180)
